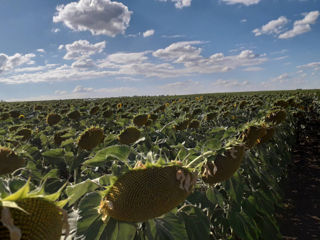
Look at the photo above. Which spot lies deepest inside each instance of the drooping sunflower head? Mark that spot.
(53, 119)
(25, 133)
(276, 117)
(224, 165)
(74, 115)
(9, 161)
(252, 135)
(90, 138)
(140, 120)
(129, 135)
(27, 216)
(147, 192)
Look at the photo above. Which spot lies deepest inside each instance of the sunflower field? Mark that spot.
(192, 167)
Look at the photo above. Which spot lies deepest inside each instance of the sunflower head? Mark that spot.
(74, 115)
(53, 119)
(9, 161)
(25, 133)
(276, 117)
(140, 120)
(90, 138)
(224, 165)
(25, 216)
(129, 135)
(147, 192)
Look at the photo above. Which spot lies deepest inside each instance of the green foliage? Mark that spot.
(242, 207)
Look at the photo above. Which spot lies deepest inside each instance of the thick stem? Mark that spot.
(203, 155)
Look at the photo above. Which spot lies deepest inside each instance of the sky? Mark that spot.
(101, 48)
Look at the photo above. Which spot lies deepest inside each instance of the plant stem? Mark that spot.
(205, 154)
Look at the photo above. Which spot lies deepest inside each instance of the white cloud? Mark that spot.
(314, 65)
(11, 62)
(40, 50)
(61, 46)
(97, 16)
(281, 78)
(148, 33)
(229, 83)
(180, 3)
(173, 36)
(80, 89)
(177, 60)
(272, 27)
(301, 26)
(60, 92)
(84, 63)
(245, 2)
(180, 51)
(124, 58)
(35, 69)
(243, 20)
(81, 92)
(55, 30)
(253, 69)
(82, 49)
(280, 58)
(181, 87)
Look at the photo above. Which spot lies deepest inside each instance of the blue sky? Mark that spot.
(102, 48)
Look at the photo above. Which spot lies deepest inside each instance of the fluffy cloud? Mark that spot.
(313, 66)
(229, 84)
(79, 89)
(301, 26)
(179, 52)
(190, 56)
(281, 78)
(84, 63)
(82, 49)
(181, 87)
(176, 60)
(40, 50)
(97, 16)
(10, 62)
(124, 58)
(272, 27)
(148, 33)
(245, 2)
(180, 3)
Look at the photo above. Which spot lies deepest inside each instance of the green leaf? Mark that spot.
(236, 224)
(53, 173)
(90, 226)
(67, 142)
(120, 152)
(16, 183)
(11, 204)
(21, 193)
(215, 197)
(75, 192)
(54, 153)
(116, 230)
(197, 224)
(168, 227)
(3, 189)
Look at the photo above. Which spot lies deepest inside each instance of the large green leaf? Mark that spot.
(215, 197)
(75, 192)
(54, 153)
(91, 227)
(120, 152)
(197, 223)
(167, 227)
(116, 230)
